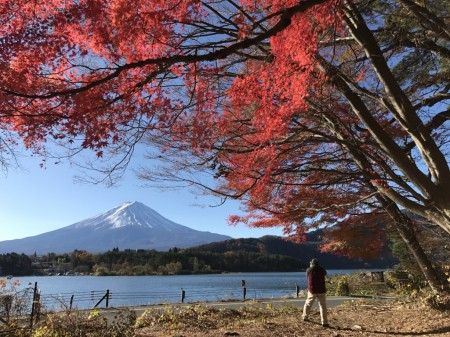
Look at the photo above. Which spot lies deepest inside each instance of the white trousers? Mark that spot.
(321, 298)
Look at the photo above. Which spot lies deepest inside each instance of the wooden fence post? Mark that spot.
(33, 305)
(244, 289)
(183, 295)
(105, 297)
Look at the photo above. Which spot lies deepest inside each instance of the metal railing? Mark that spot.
(29, 303)
(106, 298)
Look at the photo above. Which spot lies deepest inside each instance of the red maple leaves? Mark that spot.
(283, 97)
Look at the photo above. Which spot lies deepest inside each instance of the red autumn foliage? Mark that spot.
(300, 107)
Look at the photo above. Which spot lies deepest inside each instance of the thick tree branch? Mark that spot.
(403, 109)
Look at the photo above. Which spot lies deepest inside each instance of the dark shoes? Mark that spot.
(326, 325)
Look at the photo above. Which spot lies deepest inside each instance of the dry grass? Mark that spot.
(356, 319)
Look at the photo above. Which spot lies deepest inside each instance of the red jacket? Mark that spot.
(316, 280)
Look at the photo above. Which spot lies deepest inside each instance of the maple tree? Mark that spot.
(312, 112)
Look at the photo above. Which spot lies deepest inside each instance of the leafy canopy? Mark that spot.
(312, 112)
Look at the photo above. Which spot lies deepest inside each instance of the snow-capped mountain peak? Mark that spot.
(128, 214)
(131, 225)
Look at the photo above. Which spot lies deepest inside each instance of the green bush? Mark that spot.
(343, 287)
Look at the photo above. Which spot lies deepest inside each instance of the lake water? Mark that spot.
(57, 291)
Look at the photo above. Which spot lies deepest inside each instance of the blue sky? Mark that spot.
(34, 200)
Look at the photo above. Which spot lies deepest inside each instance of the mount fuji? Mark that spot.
(131, 225)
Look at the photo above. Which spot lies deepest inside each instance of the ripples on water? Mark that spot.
(56, 291)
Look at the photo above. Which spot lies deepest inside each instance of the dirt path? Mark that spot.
(355, 320)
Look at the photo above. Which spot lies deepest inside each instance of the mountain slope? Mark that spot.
(304, 252)
(128, 226)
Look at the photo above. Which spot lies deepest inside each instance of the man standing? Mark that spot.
(316, 289)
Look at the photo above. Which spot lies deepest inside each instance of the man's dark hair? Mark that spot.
(314, 262)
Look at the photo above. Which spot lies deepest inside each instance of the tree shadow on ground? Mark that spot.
(441, 330)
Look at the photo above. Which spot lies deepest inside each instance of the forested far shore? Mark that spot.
(265, 254)
(145, 262)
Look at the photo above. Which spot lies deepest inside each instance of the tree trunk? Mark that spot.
(405, 227)
(402, 222)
